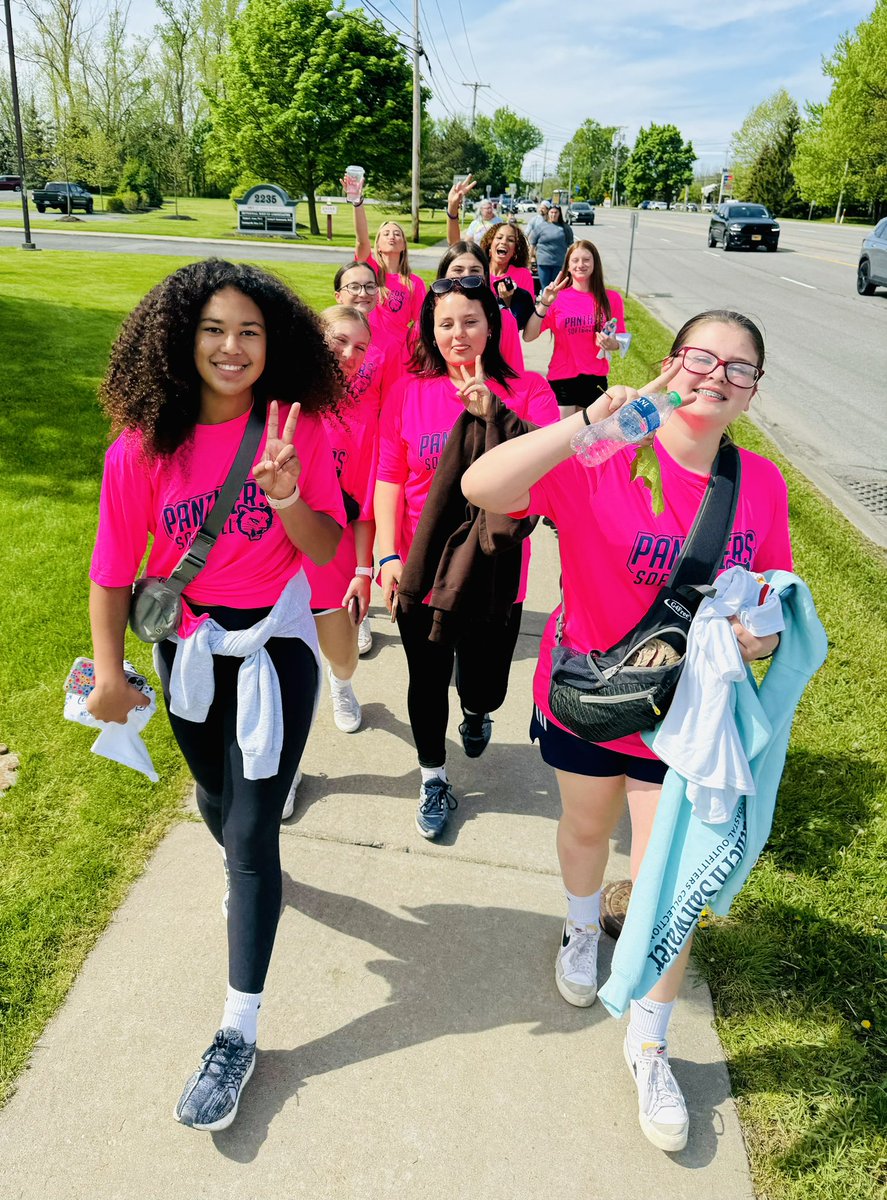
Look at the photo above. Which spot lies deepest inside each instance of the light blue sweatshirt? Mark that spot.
(690, 864)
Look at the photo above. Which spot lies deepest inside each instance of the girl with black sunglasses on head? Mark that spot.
(458, 365)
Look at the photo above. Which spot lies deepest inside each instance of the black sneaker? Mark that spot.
(476, 731)
(212, 1094)
(436, 802)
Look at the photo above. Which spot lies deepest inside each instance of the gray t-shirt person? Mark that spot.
(551, 241)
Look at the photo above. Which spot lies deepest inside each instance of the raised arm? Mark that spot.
(363, 246)
(455, 200)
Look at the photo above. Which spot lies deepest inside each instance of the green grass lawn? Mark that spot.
(798, 968)
(217, 219)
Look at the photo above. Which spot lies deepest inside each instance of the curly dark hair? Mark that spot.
(428, 362)
(152, 383)
(521, 245)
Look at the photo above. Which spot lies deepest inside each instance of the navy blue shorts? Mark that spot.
(566, 752)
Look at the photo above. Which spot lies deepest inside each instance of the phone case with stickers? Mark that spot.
(81, 677)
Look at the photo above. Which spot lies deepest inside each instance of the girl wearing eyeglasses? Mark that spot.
(403, 291)
(575, 307)
(615, 553)
(458, 364)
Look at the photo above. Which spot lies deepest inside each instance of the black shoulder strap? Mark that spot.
(703, 550)
(194, 559)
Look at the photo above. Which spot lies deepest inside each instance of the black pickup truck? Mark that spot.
(63, 196)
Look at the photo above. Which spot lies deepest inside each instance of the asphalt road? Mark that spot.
(826, 372)
(825, 388)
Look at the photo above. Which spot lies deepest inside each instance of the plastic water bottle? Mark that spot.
(627, 425)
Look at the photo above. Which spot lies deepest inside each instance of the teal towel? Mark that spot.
(690, 864)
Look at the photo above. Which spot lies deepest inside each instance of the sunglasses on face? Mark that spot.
(463, 283)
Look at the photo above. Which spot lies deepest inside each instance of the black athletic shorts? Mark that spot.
(566, 752)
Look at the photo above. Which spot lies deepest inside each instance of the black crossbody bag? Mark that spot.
(156, 607)
(608, 694)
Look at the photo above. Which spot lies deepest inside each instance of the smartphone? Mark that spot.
(81, 677)
(393, 607)
(354, 610)
(507, 283)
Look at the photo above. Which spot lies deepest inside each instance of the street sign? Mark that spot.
(329, 210)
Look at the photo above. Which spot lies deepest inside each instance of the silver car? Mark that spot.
(872, 269)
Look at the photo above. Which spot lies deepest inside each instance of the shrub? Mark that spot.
(114, 204)
(131, 201)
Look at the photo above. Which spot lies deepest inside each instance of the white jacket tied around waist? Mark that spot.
(259, 707)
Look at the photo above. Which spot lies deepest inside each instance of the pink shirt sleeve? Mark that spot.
(542, 406)
(126, 514)
(392, 465)
(318, 482)
(420, 291)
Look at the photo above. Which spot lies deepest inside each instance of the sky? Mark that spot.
(701, 65)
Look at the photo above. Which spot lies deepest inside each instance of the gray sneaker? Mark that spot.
(212, 1094)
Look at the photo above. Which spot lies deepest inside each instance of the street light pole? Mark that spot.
(17, 119)
(417, 120)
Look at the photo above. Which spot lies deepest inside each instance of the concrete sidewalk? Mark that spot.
(412, 1041)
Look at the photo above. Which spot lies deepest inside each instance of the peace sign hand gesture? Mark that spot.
(278, 472)
(474, 393)
(458, 192)
(549, 294)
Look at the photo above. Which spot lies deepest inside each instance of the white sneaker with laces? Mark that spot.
(575, 969)
(290, 802)
(347, 713)
(364, 636)
(662, 1111)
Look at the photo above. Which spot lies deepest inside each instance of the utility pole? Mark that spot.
(617, 146)
(570, 185)
(16, 114)
(417, 120)
(544, 160)
(474, 86)
(841, 196)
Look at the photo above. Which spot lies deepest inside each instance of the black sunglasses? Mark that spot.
(463, 283)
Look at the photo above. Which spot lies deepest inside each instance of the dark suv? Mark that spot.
(581, 213)
(737, 225)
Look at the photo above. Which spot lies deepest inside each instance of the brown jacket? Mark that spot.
(469, 560)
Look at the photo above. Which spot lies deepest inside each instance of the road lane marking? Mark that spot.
(662, 239)
(798, 282)
(822, 258)
(711, 254)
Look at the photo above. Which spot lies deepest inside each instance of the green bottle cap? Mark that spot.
(674, 400)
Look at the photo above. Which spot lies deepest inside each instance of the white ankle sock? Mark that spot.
(434, 773)
(584, 910)
(648, 1022)
(337, 683)
(242, 1012)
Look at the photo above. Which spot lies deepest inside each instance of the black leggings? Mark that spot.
(482, 651)
(243, 815)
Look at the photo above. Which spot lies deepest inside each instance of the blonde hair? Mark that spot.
(403, 266)
(337, 313)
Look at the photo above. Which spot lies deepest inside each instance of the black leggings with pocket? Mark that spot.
(243, 815)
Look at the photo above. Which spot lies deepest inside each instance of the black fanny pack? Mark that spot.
(608, 694)
(156, 607)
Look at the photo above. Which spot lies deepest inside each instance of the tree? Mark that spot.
(765, 124)
(303, 95)
(659, 165)
(770, 180)
(508, 138)
(841, 146)
(589, 158)
(450, 148)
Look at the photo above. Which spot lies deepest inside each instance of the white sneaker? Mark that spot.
(290, 802)
(346, 711)
(364, 636)
(575, 970)
(662, 1112)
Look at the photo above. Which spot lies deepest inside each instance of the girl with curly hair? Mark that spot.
(509, 254)
(206, 346)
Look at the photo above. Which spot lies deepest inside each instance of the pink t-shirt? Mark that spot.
(521, 277)
(354, 441)
(168, 499)
(414, 429)
(400, 308)
(615, 554)
(510, 342)
(381, 368)
(574, 319)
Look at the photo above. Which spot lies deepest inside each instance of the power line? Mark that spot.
(467, 42)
